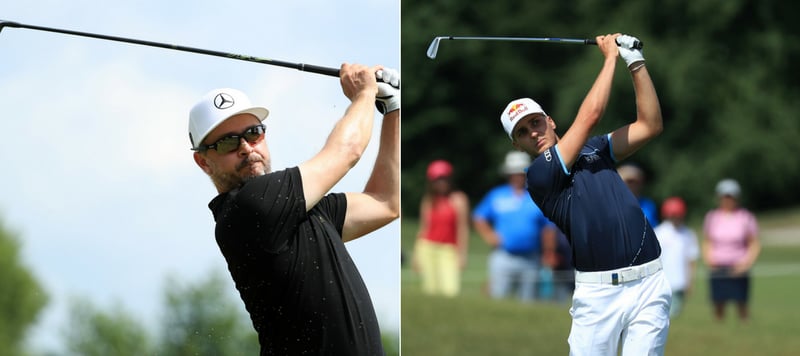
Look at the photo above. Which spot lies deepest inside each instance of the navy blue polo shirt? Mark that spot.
(593, 207)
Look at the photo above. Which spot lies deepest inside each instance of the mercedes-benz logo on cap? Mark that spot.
(223, 101)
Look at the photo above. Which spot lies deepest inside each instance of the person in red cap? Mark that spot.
(679, 251)
(440, 252)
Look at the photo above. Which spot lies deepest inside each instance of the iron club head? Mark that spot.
(434, 47)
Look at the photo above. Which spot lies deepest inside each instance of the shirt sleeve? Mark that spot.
(545, 174)
(334, 206)
(692, 248)
(484, 209)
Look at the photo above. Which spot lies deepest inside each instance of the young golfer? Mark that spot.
(621, 294)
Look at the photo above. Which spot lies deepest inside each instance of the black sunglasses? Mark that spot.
(231, 142)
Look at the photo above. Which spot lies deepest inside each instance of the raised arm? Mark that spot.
(627, 139)
(593, 106)
(349, 138)
(379, 204)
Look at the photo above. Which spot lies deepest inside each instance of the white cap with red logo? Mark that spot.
(516, 110)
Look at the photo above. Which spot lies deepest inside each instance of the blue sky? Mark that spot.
(98, 180)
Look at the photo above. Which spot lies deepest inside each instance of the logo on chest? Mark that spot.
(590, 158)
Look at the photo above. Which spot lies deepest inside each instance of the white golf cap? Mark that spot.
(516, 110)
(217, 106)
(728, 187)
(516, 162)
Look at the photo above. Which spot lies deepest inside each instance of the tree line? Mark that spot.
(197, 318)
(722, 70)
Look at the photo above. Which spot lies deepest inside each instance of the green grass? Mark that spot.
(472, 324)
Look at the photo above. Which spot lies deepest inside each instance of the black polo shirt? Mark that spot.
(293, 272)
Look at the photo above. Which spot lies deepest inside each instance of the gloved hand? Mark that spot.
(628, 53)
(388, 98)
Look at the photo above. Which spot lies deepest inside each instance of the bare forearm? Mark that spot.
(549, 242)
(486, 232)
(752, 252)
(384, 182)
(350, 136)
(595, 102)
(648, 109)
(461, 204)
(463, 241)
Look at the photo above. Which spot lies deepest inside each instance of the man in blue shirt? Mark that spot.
(509, 221)
(621, 298)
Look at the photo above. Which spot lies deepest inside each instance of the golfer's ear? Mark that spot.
(202, 162)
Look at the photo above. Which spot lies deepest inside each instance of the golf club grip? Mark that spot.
(637, 44)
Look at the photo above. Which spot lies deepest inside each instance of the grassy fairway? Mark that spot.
(472, 324)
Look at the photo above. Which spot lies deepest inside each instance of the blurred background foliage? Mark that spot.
(722, 69)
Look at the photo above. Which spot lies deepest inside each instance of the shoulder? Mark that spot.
(459, 197)
(597, 143)
(599, 140)
(748, 216)
(747, 213)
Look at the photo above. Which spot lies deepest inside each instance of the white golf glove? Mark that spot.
(388, 98)
(627, 52)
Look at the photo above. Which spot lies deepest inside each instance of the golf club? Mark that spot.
(434, 47)
(334, 72)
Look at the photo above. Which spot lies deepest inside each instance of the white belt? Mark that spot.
(620, 275)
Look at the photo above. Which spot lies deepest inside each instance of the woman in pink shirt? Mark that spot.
(730, 247)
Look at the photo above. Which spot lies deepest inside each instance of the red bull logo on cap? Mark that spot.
(516, 110)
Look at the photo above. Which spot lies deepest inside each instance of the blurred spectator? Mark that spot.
(730, 247)
(563, 272)
(440, 252)
(634, 177)
(679, 251)
(511, 223)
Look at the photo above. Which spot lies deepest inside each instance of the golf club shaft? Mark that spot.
(334, 72)
(526, 39)
(433, 49)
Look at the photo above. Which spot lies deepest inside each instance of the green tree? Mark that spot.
(93, 332)
(721, 68)
(202, 319)
(199, 319)
(21, 296)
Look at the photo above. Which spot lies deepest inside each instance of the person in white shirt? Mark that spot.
(679, 251)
